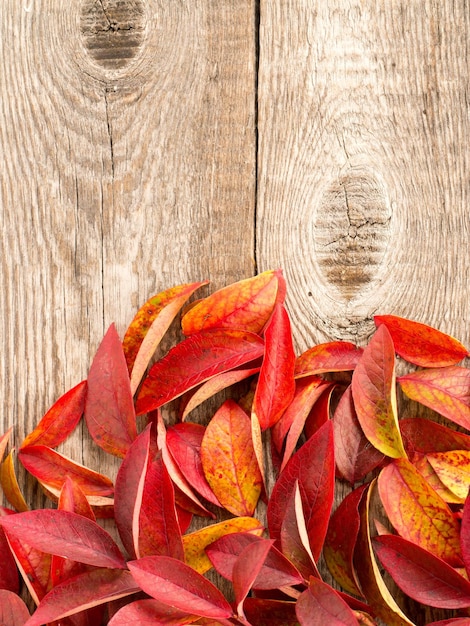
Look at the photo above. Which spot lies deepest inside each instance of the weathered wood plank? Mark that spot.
(363, 162)
(128, 163)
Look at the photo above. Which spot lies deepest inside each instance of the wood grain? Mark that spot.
(363, 186)
(122, 174)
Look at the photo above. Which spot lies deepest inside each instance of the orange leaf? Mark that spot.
(374, 394)
(334, 356)
(418, 513)
(52, 468)
(421, 344)
(229, 460)
(276, 385)
(247, 304)
(368, 573)
(10, 486)
(194, 361)
(149, 325)
(195, 543)
(445, 390)
(426, 470)
(453, 468)
(4, 439)
(60, 420)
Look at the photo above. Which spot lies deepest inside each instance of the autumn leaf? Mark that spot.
(417, 512)
(150, 612)
(465, 535)
(4, 439)
(34, 567)
(266, 612)
(247, 304)
(312, 466)
(368, 573)
(10, 486)
(9, 579)
(52, 468)
(13, 611)
(422, 575)
(320, 604)
(194, 361)
(276, 571)
(276, 385)
(426, 470)
(184, 444)
(195, 543)
(158, 526)
(334, 356)
(423, 435)
(444, 390)
(421, 344)
(246, 568)
(109, 408)
(83, 592)
(453, 469)
(214, 385)
(340, 541)
(229, 460)
(60, 420)
(374, 394)
(307, 392)
(178, 585)
(294, 539)
(65, 534)
(355, 456)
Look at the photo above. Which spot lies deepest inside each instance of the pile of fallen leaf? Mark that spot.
(312, 424)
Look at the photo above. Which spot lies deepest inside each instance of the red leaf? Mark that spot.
(149, 325)
(417, 512)
(9, 579)
(13, 611)
(213, 386)
(184, 443)
(423, 435)
(229, 461)
(465, 535)
(60, 420)
(178, 585)
(374, 394)
(52, 468)
(320, 605)
(261, 612)
(295, 544)
(276, 385)
(83, 592)
(159, 531)
(246, 304)
(150, 613)
(246, 568)
(340, 541)
(307, 392)
(66, 534)
(421, 344)
(277, 571)
(195, 360)
(445, 390)
(109, 408)
(453, 621)
(313, 467)
(335, 356)
(422, 575)
(128, 490)
(354, 454)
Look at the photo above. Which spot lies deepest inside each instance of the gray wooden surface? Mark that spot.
(149, 143)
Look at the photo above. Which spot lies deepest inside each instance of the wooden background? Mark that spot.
(147, 143)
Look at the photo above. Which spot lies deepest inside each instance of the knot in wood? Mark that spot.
(352, 231)
(112, 30)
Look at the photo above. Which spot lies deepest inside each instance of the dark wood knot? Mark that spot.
(352, 231)
(112, 30)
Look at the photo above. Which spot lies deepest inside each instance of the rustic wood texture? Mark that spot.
(363, 186)
(148, 143)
